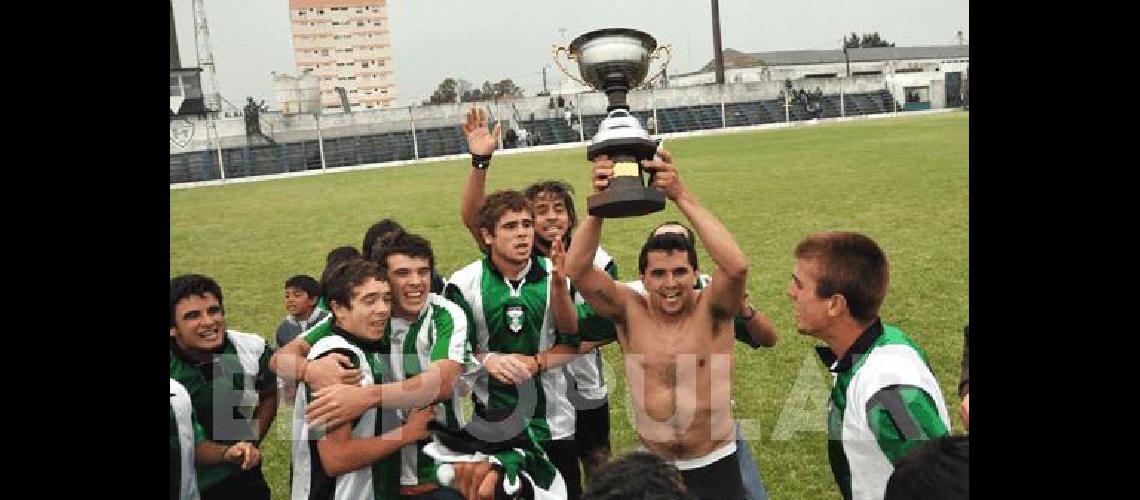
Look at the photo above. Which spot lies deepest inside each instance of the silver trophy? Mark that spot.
(615, 61)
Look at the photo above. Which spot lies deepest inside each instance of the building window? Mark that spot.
(325, 52)
(322, 11)
(363, 65)
(360, 23)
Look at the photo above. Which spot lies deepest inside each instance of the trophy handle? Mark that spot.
(655, 55)
(555, 52)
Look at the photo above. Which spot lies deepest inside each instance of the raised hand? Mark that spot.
(479, 141)
(337, 404)
(244, 454)
(557, 260)
(334, 368)
(603, 171)
(665, 175)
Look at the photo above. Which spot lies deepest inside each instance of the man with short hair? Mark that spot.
(226, 375)
(752, 328)
(885, 400)
(526, 325)
(358, 460)
(555, 217)
(676, 342)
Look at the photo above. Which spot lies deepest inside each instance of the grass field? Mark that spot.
(903, 181)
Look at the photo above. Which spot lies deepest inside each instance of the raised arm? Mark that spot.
(481, 145)
(338, 404)
(596, 286)
(727, 288)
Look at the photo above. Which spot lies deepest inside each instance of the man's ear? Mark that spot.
(337, 309)
(173, 332)
(837, 306)
(488, 238)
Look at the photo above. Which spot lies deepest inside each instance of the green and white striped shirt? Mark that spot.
(185, 434)
(225, 391)
(378, 481)
(516, 319)
(884, 403)
(439, 332)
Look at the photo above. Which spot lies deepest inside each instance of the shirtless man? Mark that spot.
(675, 342)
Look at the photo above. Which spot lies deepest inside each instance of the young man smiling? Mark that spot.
(675, 342)
(226, 375)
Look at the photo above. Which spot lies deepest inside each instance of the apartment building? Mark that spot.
(347, 44)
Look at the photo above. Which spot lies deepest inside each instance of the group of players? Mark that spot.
(379, 385)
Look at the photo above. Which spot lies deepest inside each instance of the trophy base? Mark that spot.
(615, 203)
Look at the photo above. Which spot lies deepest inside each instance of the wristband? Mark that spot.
(480, 162)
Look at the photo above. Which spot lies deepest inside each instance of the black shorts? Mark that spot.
(719, 480)
(592, 429)
(243, 485)
(563, 454)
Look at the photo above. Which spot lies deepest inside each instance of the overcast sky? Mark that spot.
(480, 40)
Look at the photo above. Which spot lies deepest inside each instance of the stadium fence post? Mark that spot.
(653, 103)
(221, 162)
(842, 107)
(320, 139)
(787, 112)
(723, 121)
(415, 142)
(582, 126)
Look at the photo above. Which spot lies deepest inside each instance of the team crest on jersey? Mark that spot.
(514, 314)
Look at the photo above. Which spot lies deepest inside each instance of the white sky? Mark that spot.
(480, 40)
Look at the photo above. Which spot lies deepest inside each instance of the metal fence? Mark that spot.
(330, 152)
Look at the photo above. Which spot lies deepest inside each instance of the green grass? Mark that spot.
(904, 182)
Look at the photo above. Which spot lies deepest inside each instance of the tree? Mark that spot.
(445, 93)
(868, 40)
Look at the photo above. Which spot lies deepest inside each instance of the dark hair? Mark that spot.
(305, 283)
(383, 229)
(186, 285)
(342, 277)
(636, 476)
(851, 265)
(666, 242)
(558, 189)
(412, 245)
(340, 253)
(938, 469)
(688, 231)
(498, 203)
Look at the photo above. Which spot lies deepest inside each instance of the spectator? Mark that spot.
(561, 102)
(568, 115)
(301, 294)
(511, 139)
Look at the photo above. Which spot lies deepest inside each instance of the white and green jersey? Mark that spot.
(884, 403)
(185, 434)
(586, 371)
(438, 333)
(515, 318)
(225, 391)
(378, 481)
